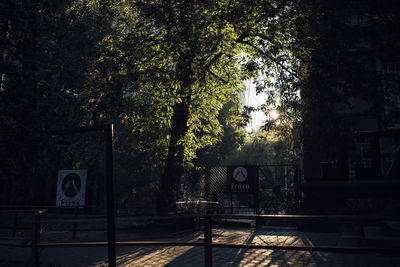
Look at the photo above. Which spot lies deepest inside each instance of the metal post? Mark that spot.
(297, 188)
(36, 239)
(231, 204)
(14, 233)
(207, 184)
(75, 225)
(109, 132)
(207, 242)
(257, 198)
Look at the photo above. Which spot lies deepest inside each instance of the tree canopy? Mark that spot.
(167, 73)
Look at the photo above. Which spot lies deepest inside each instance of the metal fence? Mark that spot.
(207, 221)
(278, 187)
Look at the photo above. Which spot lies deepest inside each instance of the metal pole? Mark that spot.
(36, 239)
(297, 189)
(207, 242)
(75, 224)
(109, 132)
(35, 253)
(207, 184)
(231, 204)
(257, 198)
(14, 232)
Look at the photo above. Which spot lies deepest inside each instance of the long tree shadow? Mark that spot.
(256, 257)
(132, 256)
(194, 256)
(155, 255)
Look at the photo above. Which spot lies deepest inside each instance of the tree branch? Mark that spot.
(212, 61)
(275, 60)
(218, 77)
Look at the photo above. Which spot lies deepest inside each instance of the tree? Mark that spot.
(161, 70)
(263, 148)
(42, 72)
(181, 61)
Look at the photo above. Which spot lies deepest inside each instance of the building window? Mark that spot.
(391, 68)
(367, 163)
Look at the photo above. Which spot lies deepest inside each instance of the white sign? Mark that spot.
(71, 187)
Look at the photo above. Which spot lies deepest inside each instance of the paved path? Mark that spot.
(193, 256)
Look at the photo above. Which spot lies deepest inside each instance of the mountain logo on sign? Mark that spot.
(71, 185)
(240, 174)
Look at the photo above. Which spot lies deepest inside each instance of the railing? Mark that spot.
(18, 215)
(208, 244)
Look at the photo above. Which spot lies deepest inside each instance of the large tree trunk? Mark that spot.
(173, 168)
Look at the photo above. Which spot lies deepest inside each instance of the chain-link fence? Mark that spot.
(277, 191)
(278, 187)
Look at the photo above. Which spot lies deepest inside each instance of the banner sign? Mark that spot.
(242, 179)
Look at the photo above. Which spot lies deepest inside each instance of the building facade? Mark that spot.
(351, 103)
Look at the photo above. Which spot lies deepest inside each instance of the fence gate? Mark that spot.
(278, 191)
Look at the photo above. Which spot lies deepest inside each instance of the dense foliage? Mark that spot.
(44, 64)
(166, 73)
